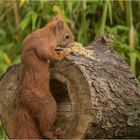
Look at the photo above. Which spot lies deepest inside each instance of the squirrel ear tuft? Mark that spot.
(58, 17)
(59, 26)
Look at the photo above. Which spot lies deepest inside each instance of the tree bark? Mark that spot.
(97, 98)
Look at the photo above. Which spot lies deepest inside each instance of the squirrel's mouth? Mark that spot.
(61, 47)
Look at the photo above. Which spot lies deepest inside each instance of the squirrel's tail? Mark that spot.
(24, 126)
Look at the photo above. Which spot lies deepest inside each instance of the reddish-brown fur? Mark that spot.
(36, 108)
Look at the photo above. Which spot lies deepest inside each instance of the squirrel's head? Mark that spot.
(63, 34)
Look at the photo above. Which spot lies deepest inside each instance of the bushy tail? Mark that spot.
(24, 126)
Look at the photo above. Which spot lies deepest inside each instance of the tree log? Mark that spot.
(97, 98)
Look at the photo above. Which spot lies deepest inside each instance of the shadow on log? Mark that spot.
(97, 98)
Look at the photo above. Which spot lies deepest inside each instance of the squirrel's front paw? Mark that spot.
(58, 132)
(65, 52)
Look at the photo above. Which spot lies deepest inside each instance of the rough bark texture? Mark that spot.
(97, 98)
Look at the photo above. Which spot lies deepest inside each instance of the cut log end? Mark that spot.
(72, 97)
(66, 89)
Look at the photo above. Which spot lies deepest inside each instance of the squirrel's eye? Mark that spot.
(67, 36)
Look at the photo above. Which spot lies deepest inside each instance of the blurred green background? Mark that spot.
(87, 20)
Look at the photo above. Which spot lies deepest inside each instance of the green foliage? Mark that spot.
(2, 133)
(87, 19)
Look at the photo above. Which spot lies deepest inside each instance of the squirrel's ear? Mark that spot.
(57, 18)
(59, 26)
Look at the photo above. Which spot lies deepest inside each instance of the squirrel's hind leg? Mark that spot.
(47, 110)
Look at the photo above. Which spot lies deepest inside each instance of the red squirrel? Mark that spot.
(36, 108)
